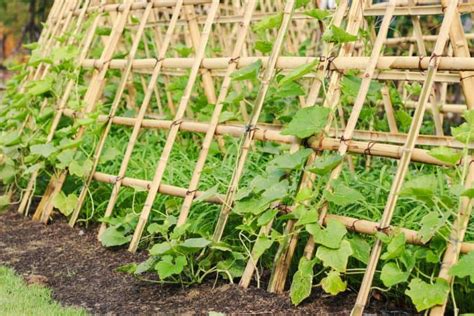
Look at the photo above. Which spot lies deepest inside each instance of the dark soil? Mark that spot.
(81, 272)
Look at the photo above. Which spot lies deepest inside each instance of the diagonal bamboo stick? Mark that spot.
(311, 100)
(28, 193)
(96, 86)
(247, 138)
(286, 250)
(117, 99)
(173, 132)
(194, 183)
(406, 157)
(141, 114)
(451, 256)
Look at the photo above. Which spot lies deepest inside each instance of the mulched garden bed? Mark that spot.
(81, 272)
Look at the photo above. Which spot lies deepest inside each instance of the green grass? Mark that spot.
(17, 298)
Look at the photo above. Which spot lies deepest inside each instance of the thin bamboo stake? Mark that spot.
(113, 109)
(210, 134)
(28, 193)
(356, 109)
(311, 99)
(248, 136)
(286, 250)
(451, 256)
(173, 132)
(96, 86)
(406, 157)
(140, 116)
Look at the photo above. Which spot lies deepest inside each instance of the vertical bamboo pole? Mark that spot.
(193, 185)
(173, 132)
(248, 136)
(113, 109)
(406, 156)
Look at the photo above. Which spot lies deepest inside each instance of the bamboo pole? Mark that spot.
(173, 132)
(210, 134)
(248, 136)
(361, 226)
(141, 114)
(384, 63)
(406, 157)
(28, 193)
(451, 256)
(311, 99)
(113, 109)
(286, 250)
(96, 86)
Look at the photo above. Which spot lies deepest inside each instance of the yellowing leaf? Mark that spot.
(333, 283)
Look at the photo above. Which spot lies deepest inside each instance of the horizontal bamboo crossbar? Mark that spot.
(290, 62)
(353, 224)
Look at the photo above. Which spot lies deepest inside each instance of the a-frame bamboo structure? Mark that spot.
(203, 25)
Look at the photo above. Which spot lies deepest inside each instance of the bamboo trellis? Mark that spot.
(205, 25)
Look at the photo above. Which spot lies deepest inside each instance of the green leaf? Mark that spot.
(318, 14)
(299, 72)
(264, 46)
(391, 274)
(291, 161)
(430, 224)
(266, 217)
(262, 244)
(109, 154)
(145, 266)
(446, 155)
(337, 35)
(112, 237)
(169, 266)
(195, 243)
(468, 193)
(395, 248)
(421, 188)
(335, 258)
(207, 194)
(276, 192)
(248, 72)
(331, 236)
(80, 169)
(425, 295)
(306, 216)
(333, 283)
(361, 249)
(44, 150)
(307, 121)
(342, 195)
(4, 202)
(302, 281)
(301, 3)
(267, 23)
(65, 204)
(40, 87)
(465, 267)
(103, 31)
(255, 205)
(159, 249)
(324, 165)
